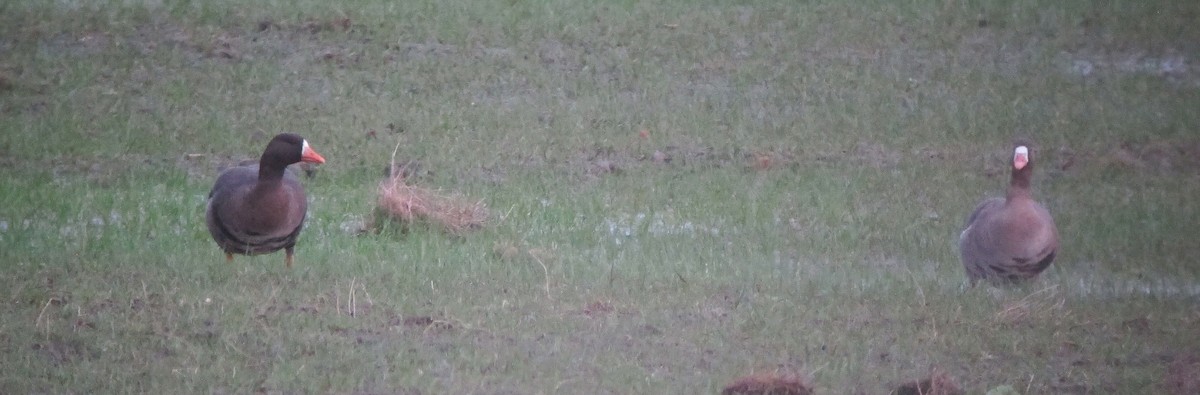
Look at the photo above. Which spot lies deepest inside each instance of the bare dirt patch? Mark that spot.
(938, 383)
(423, 323)
(1177, 156)
(772, 383)
(1161, 156)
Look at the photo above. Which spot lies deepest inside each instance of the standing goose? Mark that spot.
(260, 208)
(1011, 238)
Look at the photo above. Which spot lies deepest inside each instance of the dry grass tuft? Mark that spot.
(773, 383)
(1040, 305)
(938, 383)
(514, 251)
(517, 252)
(409, 204)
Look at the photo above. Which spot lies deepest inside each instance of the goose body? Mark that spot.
(1011, 238)
(260, 208)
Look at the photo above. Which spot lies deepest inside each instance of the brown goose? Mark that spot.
(260, 208)
(1011, 238)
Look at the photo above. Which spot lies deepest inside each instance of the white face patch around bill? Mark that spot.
(307, 154)
(1020, 157)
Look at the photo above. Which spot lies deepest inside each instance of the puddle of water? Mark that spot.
(627, 226)
(1110, 288)
(1171, 65)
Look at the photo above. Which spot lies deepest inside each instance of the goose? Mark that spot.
(259, 208)
(1011, 238)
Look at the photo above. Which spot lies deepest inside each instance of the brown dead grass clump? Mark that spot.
(772, 383)
(938, 383)
(409, 204)
(1041, 305)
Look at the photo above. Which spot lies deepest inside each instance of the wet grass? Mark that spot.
(681, 194)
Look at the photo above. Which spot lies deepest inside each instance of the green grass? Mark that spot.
(884, 125)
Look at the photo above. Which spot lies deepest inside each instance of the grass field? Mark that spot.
(681, 193)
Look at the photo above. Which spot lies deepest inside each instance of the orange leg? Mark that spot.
(228, 258)
(288, 259)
